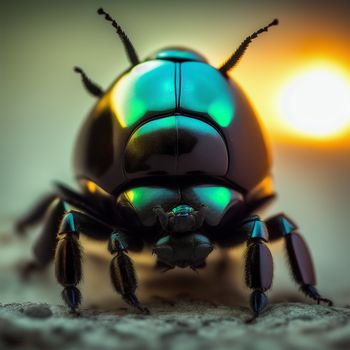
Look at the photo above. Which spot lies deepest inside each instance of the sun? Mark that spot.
(316, 102)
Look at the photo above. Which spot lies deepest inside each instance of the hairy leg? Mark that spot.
(299, 256)
(122, 271)
(68, 253)
(68, 261)
(45, 245)
(259, 263)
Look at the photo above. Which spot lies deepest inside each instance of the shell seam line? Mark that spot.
(177, 85)
(177, 106)
(180, 86)
(177, 145)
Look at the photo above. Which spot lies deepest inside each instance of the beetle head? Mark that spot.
(182, 247)
(181, 219)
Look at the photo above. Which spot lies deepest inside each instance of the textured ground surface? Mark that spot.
(189, 311)
(181, 325)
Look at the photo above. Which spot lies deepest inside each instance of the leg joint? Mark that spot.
(254, 229)
(117, 242)
(68, 224)
(280, 225)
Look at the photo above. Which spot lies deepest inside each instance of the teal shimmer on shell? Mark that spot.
(213, 196)
(140, 197)
(196, 124)
(177, 122)
(221, 111)
(148, 87)
(156, 125)
(178, 54)
(205, 90)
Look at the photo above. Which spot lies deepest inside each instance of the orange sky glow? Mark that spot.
(281, 61)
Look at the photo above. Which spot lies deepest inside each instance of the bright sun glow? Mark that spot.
(317, 102)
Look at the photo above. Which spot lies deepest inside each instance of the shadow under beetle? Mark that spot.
(172, 156)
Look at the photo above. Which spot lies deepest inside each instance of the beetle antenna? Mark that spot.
(124, 38)
(236, 56)
(90, 86)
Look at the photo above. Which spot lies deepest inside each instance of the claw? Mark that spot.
(74, 313)
(325, 300)
(251, 320)
(312, 293)
(72, 297)
(132, 300)
(258, 302)
(144, 310)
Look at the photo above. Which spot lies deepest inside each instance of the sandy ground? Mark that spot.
(181, 325)
(188, 311)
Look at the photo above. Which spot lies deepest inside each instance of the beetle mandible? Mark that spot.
(172, 157)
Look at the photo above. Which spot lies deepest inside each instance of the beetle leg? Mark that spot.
(44, 247)
(79, 201)
(299, 256)
(68, 261)
(68, 252)
(117, 243)
(122, 271)
(162, 216)
(259, 264)
(36, 213)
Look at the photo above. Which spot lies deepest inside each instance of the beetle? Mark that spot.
(172, 157)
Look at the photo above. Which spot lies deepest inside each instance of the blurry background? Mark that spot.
(297, 75)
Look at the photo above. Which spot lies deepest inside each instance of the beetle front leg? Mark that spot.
(68, 261)
(122, 271)
(35, 214)
(298, 253)
(45, 245)
(259, 264)
(68, 252)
